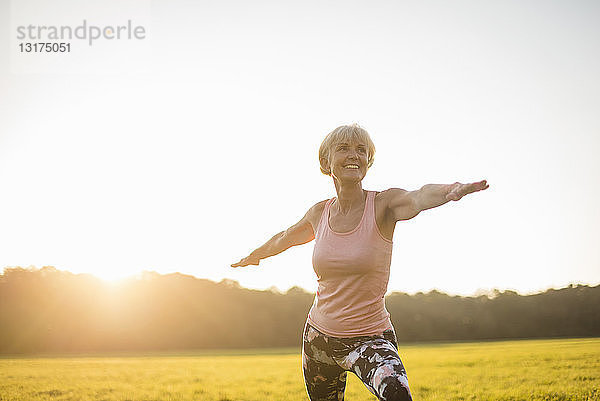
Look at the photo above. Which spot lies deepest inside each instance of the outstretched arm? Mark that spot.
(298, 234)
(434, 195)
(405, 205)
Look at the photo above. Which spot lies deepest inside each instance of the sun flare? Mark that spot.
(113, 276)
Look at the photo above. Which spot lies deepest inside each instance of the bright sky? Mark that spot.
(188, 149)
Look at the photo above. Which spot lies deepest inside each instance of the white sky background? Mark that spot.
(186, 151)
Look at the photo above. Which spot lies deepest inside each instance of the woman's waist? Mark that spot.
(349, 323)
(352, 289)
(343, 308)
(350, 306)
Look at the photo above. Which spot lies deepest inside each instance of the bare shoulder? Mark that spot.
(316, 210)
(390, 196)
(314, 213)
(399, 204)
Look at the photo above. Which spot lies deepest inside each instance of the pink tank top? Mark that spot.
(353, 270)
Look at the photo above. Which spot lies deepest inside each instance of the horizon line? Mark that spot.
(489, 292)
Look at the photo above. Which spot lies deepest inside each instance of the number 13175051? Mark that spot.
(45, 47)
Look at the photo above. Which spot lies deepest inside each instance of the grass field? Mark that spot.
(549, 370)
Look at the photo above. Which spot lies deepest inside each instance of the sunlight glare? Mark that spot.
(113, 276)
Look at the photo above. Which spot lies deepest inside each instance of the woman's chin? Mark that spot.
(349, 178)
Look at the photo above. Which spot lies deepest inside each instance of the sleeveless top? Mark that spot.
(353, 270)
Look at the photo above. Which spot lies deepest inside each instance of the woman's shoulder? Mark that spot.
(384, 197)
(315, 212)
(318, 207)
(386, 193)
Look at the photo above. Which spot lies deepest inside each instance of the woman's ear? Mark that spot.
(324, 165)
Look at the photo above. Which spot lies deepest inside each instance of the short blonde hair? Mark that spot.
(345, 133)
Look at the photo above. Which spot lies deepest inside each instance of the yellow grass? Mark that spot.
(508, 370)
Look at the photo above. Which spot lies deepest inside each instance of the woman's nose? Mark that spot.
(353, 154)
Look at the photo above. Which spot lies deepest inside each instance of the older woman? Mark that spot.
(348, 327)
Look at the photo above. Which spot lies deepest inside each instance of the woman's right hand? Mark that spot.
(248, 260)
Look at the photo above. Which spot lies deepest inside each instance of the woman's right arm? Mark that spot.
(298, 234)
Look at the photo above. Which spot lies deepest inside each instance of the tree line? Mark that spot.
(47, 310)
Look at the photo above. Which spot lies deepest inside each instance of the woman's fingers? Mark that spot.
(481, 185)
(473, 187)
(459, 190)
(245, 262)
(240, 263)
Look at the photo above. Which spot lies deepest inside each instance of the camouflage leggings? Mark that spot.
(374, 359)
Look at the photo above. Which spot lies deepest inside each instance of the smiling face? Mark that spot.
(347, 147)
(348, 161)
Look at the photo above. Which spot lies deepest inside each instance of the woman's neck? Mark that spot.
(349, 196)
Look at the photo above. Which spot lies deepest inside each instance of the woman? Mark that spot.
(348, 327)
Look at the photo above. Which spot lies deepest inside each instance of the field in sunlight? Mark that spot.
(506, 370)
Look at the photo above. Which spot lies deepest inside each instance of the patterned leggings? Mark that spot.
(374, 359)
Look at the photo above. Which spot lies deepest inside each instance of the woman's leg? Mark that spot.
(324, 379)
(376, 362)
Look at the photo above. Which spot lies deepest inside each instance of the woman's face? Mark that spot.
(348, 161)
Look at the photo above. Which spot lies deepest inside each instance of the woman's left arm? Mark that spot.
(405, 205)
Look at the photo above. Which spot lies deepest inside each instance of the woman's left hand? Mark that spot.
(458, 190)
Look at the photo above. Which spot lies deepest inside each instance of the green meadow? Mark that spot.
(565, 369)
